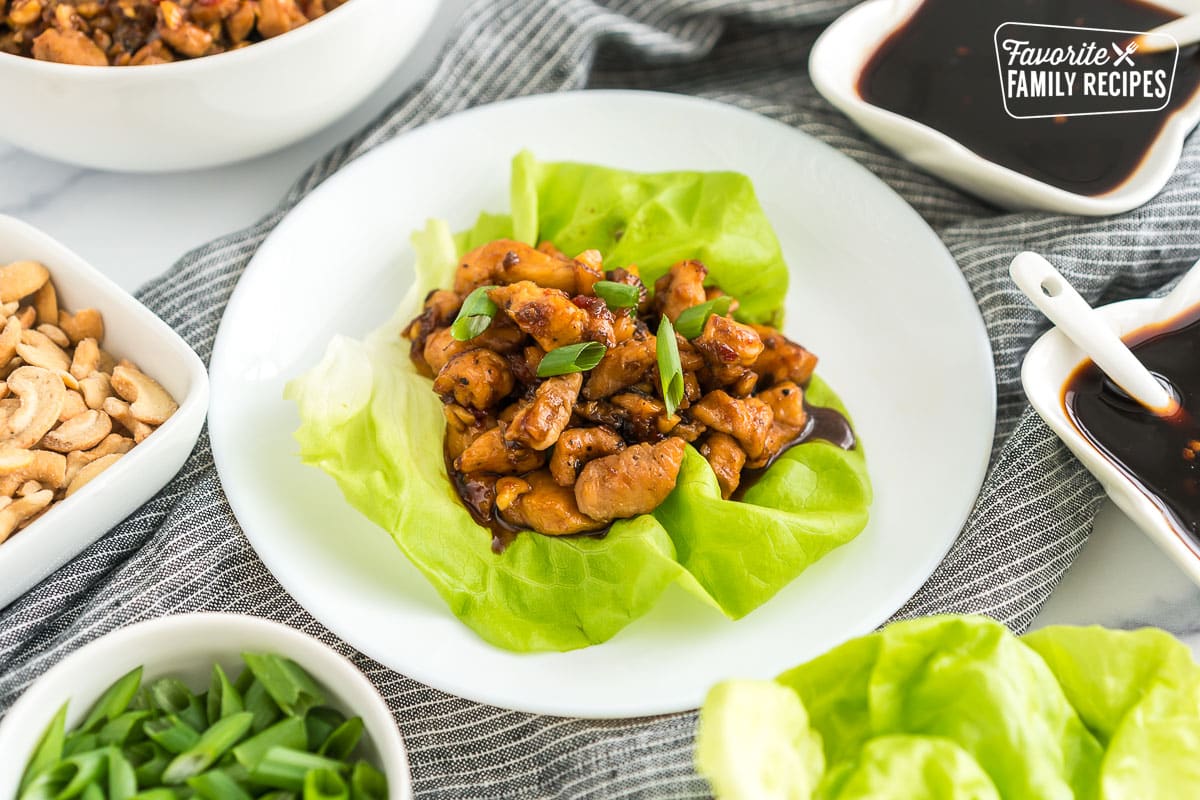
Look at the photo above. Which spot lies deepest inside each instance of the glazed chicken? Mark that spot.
(572, 449)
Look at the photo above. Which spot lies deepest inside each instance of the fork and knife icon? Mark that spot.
(1124, 55)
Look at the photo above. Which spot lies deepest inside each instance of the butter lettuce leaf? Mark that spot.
(373, 423)
(958, 708)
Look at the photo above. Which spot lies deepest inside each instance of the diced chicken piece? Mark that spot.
(589, 268)
(441, 346)
(525, 363)
(548, 508)
(547, 315)
(622, 366)
(646, 417)
(634, 481)
(787, 404)
(599, 325)
(509, 261)
(786, 400)
(277, 17)
(478, 491)
(625, 327)
(476, 379)
(782, 359)
(681, 288)
(726, 459)
(578, 446)
(68, 47)
(725, 343)
(539, 422)
(463, 427)
(748, 420)
(491, 452)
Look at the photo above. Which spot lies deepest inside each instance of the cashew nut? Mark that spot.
(78, 433)
(96, 388)
(86, 358)
(18, 466)
(45, 303)
(37, 349)
(73, 406)
(120, 412)
(21, 279)
(10, 337)
(85, 324)
(8, 309)
(26, 316)
(89, 472)
(28, 487)
(54, 334)
(42, 395)
(20, 511)
(148, 401)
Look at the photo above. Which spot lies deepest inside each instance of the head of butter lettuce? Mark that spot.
(373, 423)
(958, 708)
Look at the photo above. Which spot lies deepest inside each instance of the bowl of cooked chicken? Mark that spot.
(160, 85)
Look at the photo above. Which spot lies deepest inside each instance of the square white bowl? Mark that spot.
(837, 61)
(1044, 374)
(131, 331)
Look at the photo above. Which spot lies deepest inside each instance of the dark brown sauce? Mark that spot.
(1161, 455)
(940, 69)
(826, 424)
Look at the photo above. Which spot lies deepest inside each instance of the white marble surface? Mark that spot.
(134, 226)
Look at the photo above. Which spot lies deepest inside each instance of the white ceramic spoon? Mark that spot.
(1182, 32)
(1064, 306)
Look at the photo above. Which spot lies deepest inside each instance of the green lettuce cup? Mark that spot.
(373, 423)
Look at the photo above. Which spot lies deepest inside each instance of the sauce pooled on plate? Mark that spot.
(940, 69)
(1161, 455)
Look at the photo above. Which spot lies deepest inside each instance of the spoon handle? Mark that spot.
(1059, 301)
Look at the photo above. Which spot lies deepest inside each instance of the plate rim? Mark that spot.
(895, 598)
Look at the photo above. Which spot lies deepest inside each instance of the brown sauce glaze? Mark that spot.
(940, 69)
(1161, 455)
(826, 424)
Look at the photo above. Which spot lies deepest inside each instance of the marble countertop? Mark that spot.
(1119, 580)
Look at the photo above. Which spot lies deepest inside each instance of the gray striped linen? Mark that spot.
(185, 552)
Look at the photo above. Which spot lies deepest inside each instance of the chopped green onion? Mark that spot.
(223, 698)
(122, 780)
(341, 742)
(258, 702)
(173, 697)
(217, 784)
(79, 742)
(617, 296)
(321, 722)
(289, 733)
(475, 315)
(212, 744)
(49, 750)
(284, 768)
(289, 686)
(92, 792)
(172, 733)
(367, 783)
(325, 784)
(114, 701)
(88, 768)
(571, 358)
(670, 372)
(691, 321)
(124, 729)
(157, 794)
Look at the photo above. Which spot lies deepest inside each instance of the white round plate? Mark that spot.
(873, 292)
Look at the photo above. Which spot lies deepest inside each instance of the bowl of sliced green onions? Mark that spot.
(209, 706)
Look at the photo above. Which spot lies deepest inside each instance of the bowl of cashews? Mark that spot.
(100, 405)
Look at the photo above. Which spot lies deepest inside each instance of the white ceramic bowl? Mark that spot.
(212, 110)
(133, 332)
(837, 61)
(186, 647)
(1045, 372)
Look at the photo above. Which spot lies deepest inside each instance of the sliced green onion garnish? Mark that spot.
(475, 315)
(221, 736)
(616, 296)
(571, 358)
(114, 701)
(670, 371)
(49, 750)
(690, 323)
